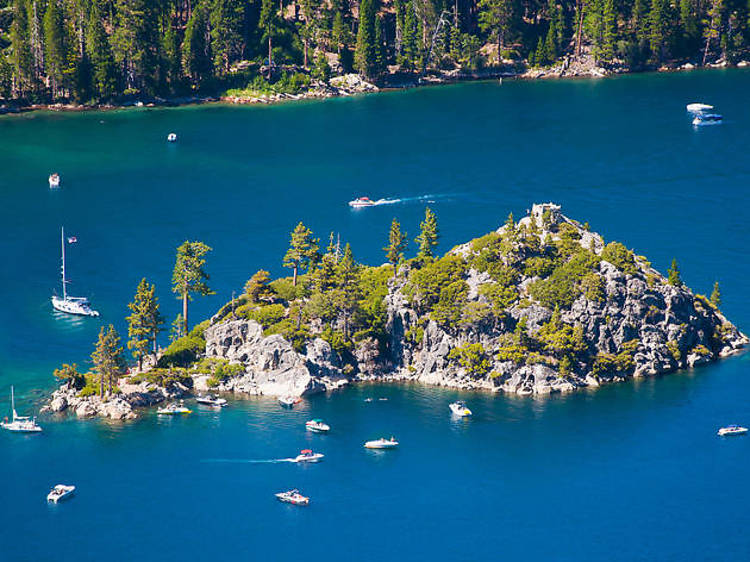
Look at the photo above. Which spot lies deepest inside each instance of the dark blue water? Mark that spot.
(630, 472)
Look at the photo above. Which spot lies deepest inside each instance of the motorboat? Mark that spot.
(382, 443)
(289, 401)
(210, 400)
(362, 202)
(293, 497)
(382, 400)
(459, 409)
(317, 426)
(732, 430)
(172, 137)
(698, 107)
(174, 409)
(60, 492)
(79, 306)
(54, 181)
(19, 424)
(702, 119)
(368, 399)
(307, 455)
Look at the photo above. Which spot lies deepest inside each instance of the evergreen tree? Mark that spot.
(69, 375)
(639, 17)
(104, 74)
(338, 32)
(674, 275)
(380, 63)
(227, 18)
(108, 360)
(196, 60)
(257, 288)
(133, 41)
(657, 30)
(170, 50)
(496, 18)
(609, 31)
(716, 295)
(348, 288)
(410, 55)
(269, 26)
(189, 275)
(397, 243)
(54, 46)
(303, 250)
(712, 30)
(144, 322)
(21, 48)
(428, 236)
(322, 71)
(365, 50)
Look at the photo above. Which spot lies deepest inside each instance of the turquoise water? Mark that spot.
(630, 472)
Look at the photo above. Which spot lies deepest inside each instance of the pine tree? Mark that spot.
(196, 62)
(657, 30)
(348, 288)
(364, 52)
(303, 250)
(226, 19)
(409, 39)
(496, 18)
(379, 64)
(269, 27)
(716, 295)
(609, 31)
(134, 41)
(257, 288)
(712, 30)
(54, 46)
(639, 17)
(338, 32)
(428, 236)
(674, 275)
(397, 243)
(21, 48)
(170, 52)
(189, 275)
(144, 324)
(322, 70)
(104, 74)
(108, 360)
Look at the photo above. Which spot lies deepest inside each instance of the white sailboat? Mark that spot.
(20, 424)
(70, 305)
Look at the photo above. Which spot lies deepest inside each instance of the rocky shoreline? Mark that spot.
(627, 321)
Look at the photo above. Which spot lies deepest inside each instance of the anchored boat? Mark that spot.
(293, 497)
(54, 181)
(79, 306)
(703, 119)
(732, 430)
(210, 400)
(19, 424)
(317, 426)
(289, 401)
(698, 107)
(459, 409)
(174, 409)
(382, 443)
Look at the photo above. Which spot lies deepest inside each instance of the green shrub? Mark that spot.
(674, 350)
(619, 256)
(284, 289)
(593, 287)
(564, 285)
(267, 315)
(701, 350)
(425, 285)
(473, 358)
(500, 298)
(183, 351)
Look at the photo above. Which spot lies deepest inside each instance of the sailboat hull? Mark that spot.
(72, 305)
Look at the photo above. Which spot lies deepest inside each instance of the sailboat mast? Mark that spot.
(62, 244)
(13, 402)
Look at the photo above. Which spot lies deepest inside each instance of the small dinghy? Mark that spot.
(210, 400)
(698, 107)
(703, 119)
(60, 492)
(289, 401)
(54, 181)
(317, 426)
(459, 409)
(172, 137)
(382, 443)
(306, 455)
(174, 409)
(732, 430)
(293, 497)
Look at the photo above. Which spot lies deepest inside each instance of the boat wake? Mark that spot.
(247, 461)
(428, 198)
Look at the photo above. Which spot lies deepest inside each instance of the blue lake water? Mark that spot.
(630, 472)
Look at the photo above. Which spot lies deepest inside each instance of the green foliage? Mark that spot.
(619, 256)
(397, 243)
(622, 362)
(285, 289)
(144, 322)
(473, 358)
(428, 236)
(182, 352)
(69, 375)
(674, 275)
(425, 285)
(303, 250)
(267, 315)
(219, 370)
(716, 295)
(257, 288)
(500, 297)
(674, 350)
(701, 350)
(164, 377)
(108, 360)
(189, 275)
(593, 287)
(565, 283)
(561, 339)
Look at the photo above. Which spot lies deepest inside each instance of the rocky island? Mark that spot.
(539, 306)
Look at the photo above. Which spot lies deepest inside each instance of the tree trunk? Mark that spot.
(305, 63)
(185, 312)
(294, 279)
(270, 62)
(580, 29)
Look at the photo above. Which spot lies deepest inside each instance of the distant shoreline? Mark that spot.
(317, 94)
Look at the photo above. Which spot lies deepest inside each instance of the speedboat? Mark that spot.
(172, 137)
(289, 401)
(362, 202)
(707, 119)
(317, 426)
(79, 306)
(54, 181)
(210, 400)
(459, 409)
(60, 492)
(732, 430)
(174, 409)
(306, 455)
(19, 424)
(382, 443)
(293, 497)
(698, 107)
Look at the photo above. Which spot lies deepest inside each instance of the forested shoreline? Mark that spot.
(110, 51)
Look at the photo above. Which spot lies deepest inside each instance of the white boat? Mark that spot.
(732, 430)
(60, 492)
(382, 443)
(317, 426)
(70, 305)
(362, 202)
(172, 137)
(459, 409)
(306, 455)
(210, 400)
(174, 409)
(289, 401)
(703, 119)
(54, 181)
(19, 424)
(293, 497)
(698, 107)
